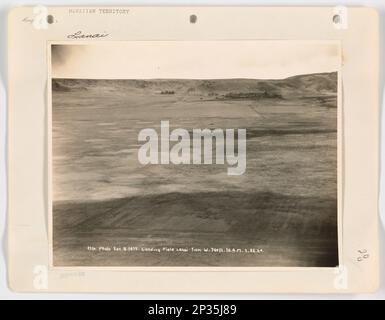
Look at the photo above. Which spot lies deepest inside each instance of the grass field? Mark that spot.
(284, 205)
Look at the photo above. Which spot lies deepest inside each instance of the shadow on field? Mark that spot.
(286, 230)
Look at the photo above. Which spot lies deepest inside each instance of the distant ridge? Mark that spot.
(308, 85)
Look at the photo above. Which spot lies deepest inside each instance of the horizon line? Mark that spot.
(212, 79)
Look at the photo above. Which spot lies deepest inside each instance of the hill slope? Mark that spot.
(310, 85)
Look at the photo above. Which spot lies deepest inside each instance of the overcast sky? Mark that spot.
(194, 59)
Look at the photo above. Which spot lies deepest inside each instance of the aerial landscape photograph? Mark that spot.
(110, 209)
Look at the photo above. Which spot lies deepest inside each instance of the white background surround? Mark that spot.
(6, 293)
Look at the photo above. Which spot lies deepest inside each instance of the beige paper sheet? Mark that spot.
(29, 127)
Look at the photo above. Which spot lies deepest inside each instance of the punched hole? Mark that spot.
(337, 19)
(50, 19)
(193, 18)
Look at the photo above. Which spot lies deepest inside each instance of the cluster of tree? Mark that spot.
(252, 95)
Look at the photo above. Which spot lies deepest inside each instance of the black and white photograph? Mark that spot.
(194, 154)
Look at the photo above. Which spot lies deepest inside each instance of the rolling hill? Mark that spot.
(301, 86)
